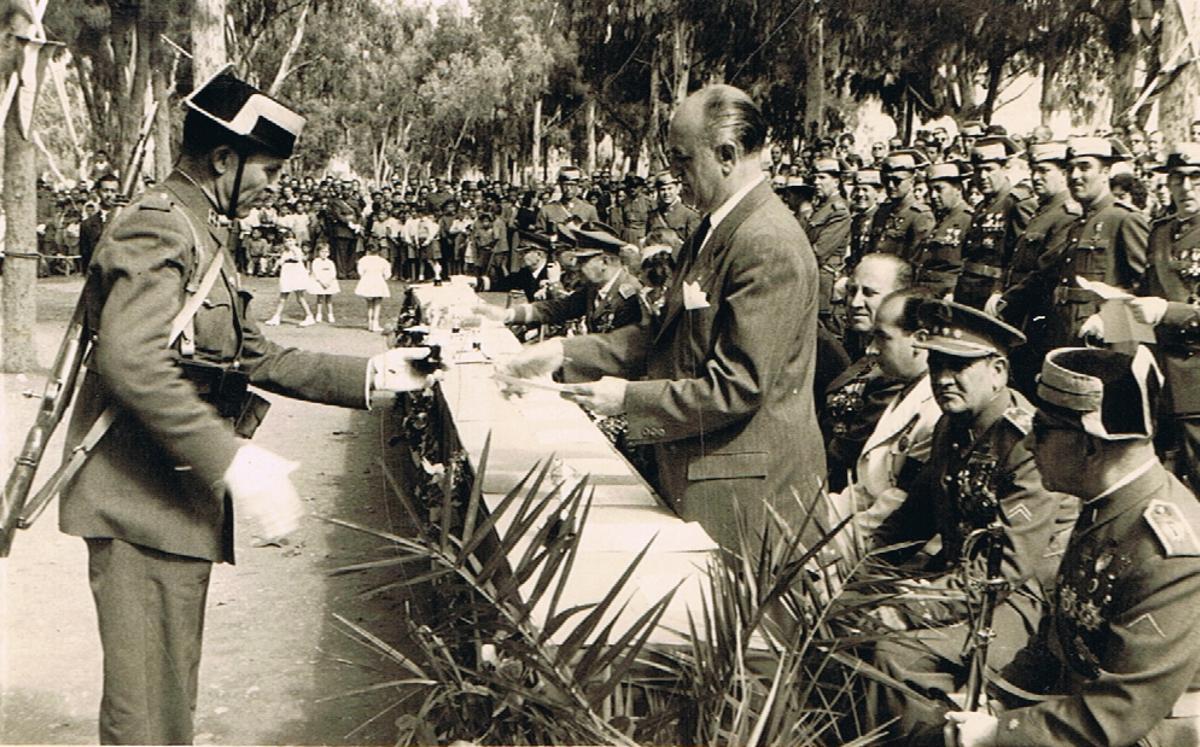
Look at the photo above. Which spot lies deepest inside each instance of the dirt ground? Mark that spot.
(275, 660)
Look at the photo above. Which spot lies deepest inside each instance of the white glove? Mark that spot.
(1149, 310)
(262, 492)
(393, 370)
(536, 360)
(994, 305)
(1093, 326)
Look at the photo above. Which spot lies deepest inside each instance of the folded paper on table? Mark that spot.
(1119, 322)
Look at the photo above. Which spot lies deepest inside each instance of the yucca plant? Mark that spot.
(772, 656)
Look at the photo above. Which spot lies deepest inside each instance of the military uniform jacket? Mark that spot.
(938, 259)
(1121, 643)
(723, 389)
(860, 238)
(1174, 274)
(989, 245)
(634, 214)
(1108, 243)
(1028, 281)
(678, 217)
(155, 478)
(968, 482)
(554, 214)
(899, 228)
(851, 407)
(617, 307)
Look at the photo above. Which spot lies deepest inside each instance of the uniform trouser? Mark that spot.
(931, 661)
(150, 606)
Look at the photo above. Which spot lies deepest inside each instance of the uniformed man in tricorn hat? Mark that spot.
(160, 467)
(901, 223)
(1117, 657)
(980, 472)
(998, 220)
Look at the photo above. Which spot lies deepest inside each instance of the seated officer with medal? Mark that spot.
(608, 298)
(980, 472)
(1171, 287)
(160, 469)
(1117, 657)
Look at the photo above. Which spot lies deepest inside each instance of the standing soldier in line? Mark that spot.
(939, 258)
(998, 221)
(828, 230)
(865, 198)
(1024, 301)
(670, 212)
(1172, 289)
(1117, 656)
(569, 204)
(636, 210)
(901, 223)
(1107, 243)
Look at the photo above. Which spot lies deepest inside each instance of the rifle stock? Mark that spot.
(56, 398)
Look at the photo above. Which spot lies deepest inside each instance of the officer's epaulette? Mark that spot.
(1021, 418)
(1126, 204)
(1177, 535)
(626, 290)
(155, 199)
(1070, 207)
(921, 207)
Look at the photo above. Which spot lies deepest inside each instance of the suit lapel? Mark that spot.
(701, 269)
(899, 413)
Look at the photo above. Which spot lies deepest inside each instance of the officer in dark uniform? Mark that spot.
(536, 272)
(607, 300)
(998, 221)
(569, 204)
(828, 228)
(865, 198)
(1117, 657)
(901, 223)
(670, 212)
(980, 472)
(1107, 243)
(635, 212)
(164, 401)
(1172, 303)
(939, 258)
(1025, 299)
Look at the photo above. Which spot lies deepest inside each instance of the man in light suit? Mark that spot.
(721, 383)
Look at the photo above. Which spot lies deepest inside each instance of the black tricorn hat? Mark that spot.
(261, 122)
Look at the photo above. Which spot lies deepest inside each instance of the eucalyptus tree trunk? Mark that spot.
(1178, 103)
(208, 38)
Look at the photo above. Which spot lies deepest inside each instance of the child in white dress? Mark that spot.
(373, 271)
(323, 282)
(293, 280)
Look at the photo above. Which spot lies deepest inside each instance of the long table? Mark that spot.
(626, 514)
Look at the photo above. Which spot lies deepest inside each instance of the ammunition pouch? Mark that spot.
(227, 389)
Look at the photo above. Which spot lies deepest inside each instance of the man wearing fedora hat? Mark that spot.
(1107, 243)
(901, 223)
(1024, 300)
(670, 212)
(980, 474)
(1117, 657)
(939, 257)
(987, 247)
(1170, 290)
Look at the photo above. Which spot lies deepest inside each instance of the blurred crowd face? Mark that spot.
(872, 280)
(568, 190)
(1088, 179)
(108, 190)
(898, 184)
(991, 178)
(893, 347)
(945, 195)
(826, 185)
(920, 192)
(965, 386)
(1185, 191)
(1048, 179)
(863, 198)
(878, 150)
(668, 194)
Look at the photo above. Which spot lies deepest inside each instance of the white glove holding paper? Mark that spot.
(1148, 310)
(393, 371)
(260, 485)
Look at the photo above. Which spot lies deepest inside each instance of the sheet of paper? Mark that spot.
(545, 385)
(1119, 324)
(1104, 290)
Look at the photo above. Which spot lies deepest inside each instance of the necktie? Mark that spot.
(701, 234)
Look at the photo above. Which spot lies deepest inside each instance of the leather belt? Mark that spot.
(982, 270)
(1066, 294)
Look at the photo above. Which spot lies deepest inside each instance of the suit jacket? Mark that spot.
(1121, 642)
(524, 280)
(725, 389)
(155, 478)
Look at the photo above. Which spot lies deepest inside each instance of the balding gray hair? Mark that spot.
(731, 115)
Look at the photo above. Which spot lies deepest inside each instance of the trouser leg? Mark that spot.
(150, 608)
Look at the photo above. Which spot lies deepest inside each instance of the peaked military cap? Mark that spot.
(528, 240)
(1183, 157)
(904, 160)
(1048, 151)
(963, 331)
(1104, 148)
(1108, 394)
(993, 148)
(594, 237)
(247, 113)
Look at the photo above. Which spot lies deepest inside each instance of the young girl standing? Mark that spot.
(373, 271)
(293, 280)
(323, 282)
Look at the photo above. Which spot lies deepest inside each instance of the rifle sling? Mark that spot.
(79, 455)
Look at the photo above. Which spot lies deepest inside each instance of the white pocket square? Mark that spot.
(693, 297)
